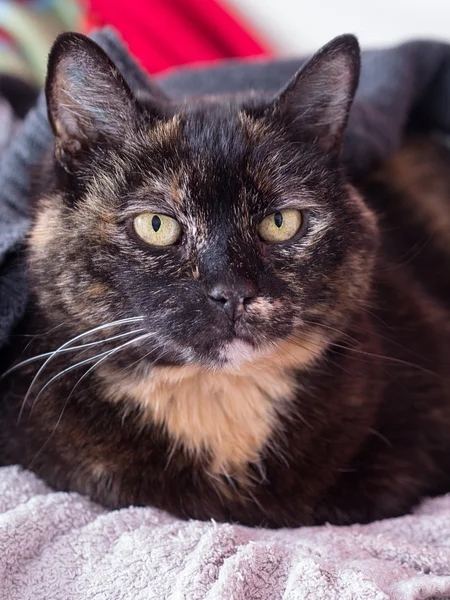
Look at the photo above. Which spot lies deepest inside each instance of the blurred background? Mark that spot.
(167, 33)
(293, 26)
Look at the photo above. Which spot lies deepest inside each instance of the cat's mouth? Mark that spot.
(235, 344)
(225, 350)
(217, 342)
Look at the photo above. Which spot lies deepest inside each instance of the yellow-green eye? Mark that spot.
(281, 225)
(156, 229)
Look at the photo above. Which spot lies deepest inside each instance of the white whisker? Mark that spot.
(68, 397)
(66, 344)
(71, 349)
(103, 355)
(43, 333)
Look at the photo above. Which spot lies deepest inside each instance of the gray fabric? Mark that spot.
(405, 86)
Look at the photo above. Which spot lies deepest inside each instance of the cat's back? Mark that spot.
(410, 193)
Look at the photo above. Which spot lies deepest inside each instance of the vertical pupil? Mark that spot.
(156, 223)
(278, 218)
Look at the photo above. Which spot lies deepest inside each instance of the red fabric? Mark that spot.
(166, 33)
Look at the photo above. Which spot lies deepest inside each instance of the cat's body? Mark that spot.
(317, 392)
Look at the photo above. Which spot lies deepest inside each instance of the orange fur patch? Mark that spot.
(43, 231)
(229, 414)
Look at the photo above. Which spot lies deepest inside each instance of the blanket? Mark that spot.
(59, 546)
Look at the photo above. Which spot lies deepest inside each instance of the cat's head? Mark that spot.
(225, 223)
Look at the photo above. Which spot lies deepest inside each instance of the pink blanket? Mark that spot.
(58, 546)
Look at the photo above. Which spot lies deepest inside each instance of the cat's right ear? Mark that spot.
(87, 98)
(318, 98)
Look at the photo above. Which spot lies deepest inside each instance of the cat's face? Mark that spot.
(225, 224)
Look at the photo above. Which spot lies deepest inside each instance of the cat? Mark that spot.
(220, 325)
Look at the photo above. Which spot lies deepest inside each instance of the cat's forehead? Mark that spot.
(218, 130)
(214, 154)
(218, 133)
(211, 160)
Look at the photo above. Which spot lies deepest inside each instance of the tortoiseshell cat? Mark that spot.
(223, 327)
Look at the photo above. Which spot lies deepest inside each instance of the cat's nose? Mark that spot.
(233, 297)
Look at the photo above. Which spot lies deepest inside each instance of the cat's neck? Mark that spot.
(229, 414)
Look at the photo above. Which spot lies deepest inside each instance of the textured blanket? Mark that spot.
(60, 546)
(57, 546)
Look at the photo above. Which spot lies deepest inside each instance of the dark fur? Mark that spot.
(365, 434)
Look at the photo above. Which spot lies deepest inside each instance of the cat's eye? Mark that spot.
(157, 229)
(280, 226)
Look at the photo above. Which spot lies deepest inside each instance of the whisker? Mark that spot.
(293, 339)
(43, 333)
(66, 344)
(135, 362)
(386, 372)
(104, 356)
(66, 370)
(414, 251)
(383, 357)
(382, 437)
(71, 349)
(339, 331)
(377, 317)
(392, 359)
(67, 399)
(365, 330)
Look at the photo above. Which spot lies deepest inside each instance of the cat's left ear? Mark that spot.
(318, 98)
(87, 97)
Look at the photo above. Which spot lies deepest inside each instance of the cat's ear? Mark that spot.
(318, 98)
(87, 97)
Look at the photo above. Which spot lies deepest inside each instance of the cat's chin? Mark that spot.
(237, 352)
